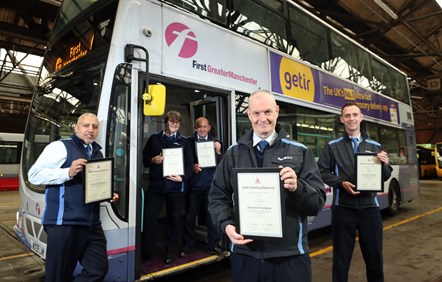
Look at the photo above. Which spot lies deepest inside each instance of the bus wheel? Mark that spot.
(393, 199)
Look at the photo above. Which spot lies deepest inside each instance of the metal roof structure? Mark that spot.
(25, 27)
(407, 33)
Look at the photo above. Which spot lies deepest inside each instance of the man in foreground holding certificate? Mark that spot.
(267, 145)
(353, 210)
(73, 227)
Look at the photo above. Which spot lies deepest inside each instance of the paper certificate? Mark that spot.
(369, 173)
(173, 161)
(205, 152)
(98, 180)
(260, 202)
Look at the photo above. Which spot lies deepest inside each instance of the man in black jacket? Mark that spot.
(283, 259)
(198, 193)
(353, 210)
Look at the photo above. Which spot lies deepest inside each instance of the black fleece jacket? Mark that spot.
(307, 200)
(337, 164)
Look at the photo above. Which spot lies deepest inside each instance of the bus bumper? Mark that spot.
(30, 232)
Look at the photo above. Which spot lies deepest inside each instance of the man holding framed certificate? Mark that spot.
(265, 187)
(73, 226)
(356, 167)
(207, 154)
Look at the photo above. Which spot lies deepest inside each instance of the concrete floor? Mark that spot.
(412, 243)
(412, 246)
(16, 262)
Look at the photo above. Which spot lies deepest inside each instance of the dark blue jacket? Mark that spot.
(307, 200)
(337, 164)
(201, 181)
(65, 202)
(154, 146)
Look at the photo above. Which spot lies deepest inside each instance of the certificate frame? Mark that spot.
(369, 173)
(205, 151)
(98, 180)
(259, 207)
(173, 161)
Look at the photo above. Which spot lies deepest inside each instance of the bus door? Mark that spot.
(191, 101)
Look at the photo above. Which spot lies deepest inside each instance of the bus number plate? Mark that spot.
(39, 249)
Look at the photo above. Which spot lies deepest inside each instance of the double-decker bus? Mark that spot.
(209, 56)
(426, 159)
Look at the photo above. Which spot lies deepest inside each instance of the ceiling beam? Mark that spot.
(21, 33)
(34, 50)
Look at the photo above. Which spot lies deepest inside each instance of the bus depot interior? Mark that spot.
(102, 80)
(308, 125)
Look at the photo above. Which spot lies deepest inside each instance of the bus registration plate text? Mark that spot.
(39, 249)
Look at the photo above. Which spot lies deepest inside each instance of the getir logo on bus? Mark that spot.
(296, 80)
(181, 39)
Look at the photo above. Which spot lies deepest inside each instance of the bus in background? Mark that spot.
(426, 160)
(10, 151)
(438, 158)
(11, 145)
(209, 56)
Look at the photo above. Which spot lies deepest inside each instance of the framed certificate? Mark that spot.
(369, 173)
(205, 151)
(98, 180)
(260, 203)
(173, 161)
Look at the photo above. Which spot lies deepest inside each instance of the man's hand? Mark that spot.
(350, 188)
(197, 168)
(157, 159)
(217, 148)
(115, 198)
(76, 167)
(234, 237)
(383, 157)
(289, 177)
(175, 178)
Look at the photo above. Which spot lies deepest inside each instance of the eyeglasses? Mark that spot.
(174, 121)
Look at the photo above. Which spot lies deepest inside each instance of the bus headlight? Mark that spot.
(19, 220)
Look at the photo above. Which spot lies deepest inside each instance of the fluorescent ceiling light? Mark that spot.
(387, 9)
(416, 97)
(440, 3)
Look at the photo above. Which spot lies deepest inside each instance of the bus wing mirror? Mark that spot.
(154, 101)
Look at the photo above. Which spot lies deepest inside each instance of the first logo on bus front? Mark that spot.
(181, 39)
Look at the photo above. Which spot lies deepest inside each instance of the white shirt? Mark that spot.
(202, 138)
(271, 139)
(47, 169)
